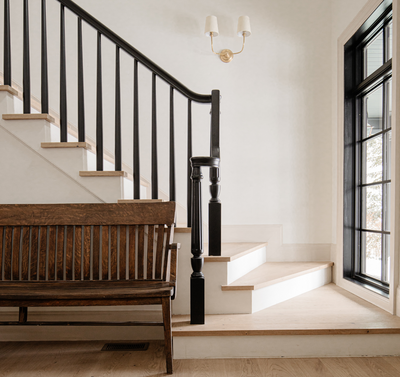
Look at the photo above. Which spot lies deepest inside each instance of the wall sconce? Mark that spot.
(211, 30)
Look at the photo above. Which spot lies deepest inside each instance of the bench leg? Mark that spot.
(166, 309)
(23, 314)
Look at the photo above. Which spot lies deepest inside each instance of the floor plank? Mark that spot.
(85, 359)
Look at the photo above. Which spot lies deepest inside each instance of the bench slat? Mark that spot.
(160, 247)
(78, 253)
(96, 252)
(52, 250)
(105, 245)
(86, 252)
(25, 252)
(68, 268)
(132, 247)
(15, 253)
(140, 252)
(42, 253)
(122, 252)
(113, 251)
(150, 251)
(60, 253)
(2, 237)
(34, 253)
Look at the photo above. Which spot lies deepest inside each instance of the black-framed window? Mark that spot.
(367, 151)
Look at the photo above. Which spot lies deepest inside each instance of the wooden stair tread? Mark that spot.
(46, 117)
(326, 310)
(74, 144)
(232, 251)
(274, 272)
(9, 89)
(111, 173)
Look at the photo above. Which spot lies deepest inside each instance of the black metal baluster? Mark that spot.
(214, 206)
(172, 193)
(81, 96)
(136, 157)
(63, 80)
(45, 82)
(99, 109)
(189, 167)
(7, 44)
(154, 162)
(26, 80)
(118, 162)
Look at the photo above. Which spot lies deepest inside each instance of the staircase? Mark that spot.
(243, 281)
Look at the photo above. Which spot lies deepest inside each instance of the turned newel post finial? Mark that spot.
(197, 281)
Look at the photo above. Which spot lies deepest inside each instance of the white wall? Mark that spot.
(277, 96)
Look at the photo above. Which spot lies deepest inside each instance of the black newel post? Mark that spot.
(197, 281)
(214, 206)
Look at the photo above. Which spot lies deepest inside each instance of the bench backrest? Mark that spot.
(85, 241)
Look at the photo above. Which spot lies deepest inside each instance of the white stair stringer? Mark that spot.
(70, 160)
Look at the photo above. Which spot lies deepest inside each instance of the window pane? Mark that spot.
(372, 152)
(373, 54)
(389, 33)
(388, 104)
(388, 154)
(386, 207)
(373, 112)
(387, 253)
(372, 207)
(372, 250)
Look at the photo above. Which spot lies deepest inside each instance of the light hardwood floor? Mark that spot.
(84, 359)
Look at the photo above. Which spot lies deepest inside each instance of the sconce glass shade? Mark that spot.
(211, 26)
(244, 26)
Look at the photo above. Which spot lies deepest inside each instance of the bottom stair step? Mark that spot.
(326, 322)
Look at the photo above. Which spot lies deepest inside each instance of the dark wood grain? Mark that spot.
(52, 253)
(96, 252)
(60, 252)
(86, 252)
(25, 253)
(159, 255)
(88, 214)
(132, 252)
(69, 253)
(7, 253)
(122, 252)
(15, 252)
(42, 253)
(166, 310)
(140, 252)
(150, 251)
(105, 262)
(78, 252)
(113, 251)
(34, 253)
(166, 253)
(2, 230)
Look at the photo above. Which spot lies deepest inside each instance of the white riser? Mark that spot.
(274, 294)
(290, 346)
(242, 266)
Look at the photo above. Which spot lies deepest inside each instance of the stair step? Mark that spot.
(74, 144)
(232, 251)
(9, 89)
(271, 273)
(47, 117)
(112, 173)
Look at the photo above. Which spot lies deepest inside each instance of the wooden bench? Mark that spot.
(88, 255)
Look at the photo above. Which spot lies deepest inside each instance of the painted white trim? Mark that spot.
(289, 346)
(387, 304)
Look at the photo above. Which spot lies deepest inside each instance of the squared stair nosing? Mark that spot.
(103, 174)
(75, 144)
(253, 287)
(9, 89)
(37, 116)
(219, 259)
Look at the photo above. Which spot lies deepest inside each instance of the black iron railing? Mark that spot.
(139, 60)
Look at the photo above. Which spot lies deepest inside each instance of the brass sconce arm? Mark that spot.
(226, 55)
